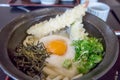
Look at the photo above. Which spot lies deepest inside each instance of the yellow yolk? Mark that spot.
(57, 47)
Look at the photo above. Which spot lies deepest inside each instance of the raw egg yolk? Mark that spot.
(57, 47)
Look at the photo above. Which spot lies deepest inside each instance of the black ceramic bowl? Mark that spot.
(13, 33)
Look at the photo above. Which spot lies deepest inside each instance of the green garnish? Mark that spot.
(67, 63)
(89, 52)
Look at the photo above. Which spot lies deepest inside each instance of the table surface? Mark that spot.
(7, 14)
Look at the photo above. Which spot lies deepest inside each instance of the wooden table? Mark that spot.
(7, 14)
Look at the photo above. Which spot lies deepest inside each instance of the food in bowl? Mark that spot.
(59, 48)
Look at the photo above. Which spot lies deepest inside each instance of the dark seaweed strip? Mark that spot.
(30, 59)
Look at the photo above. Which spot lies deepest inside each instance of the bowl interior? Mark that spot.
(14, 40)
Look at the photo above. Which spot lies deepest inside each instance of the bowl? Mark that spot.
(49, 2)
(35, 1)
(14, 33)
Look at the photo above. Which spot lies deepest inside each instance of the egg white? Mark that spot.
(57, 60)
